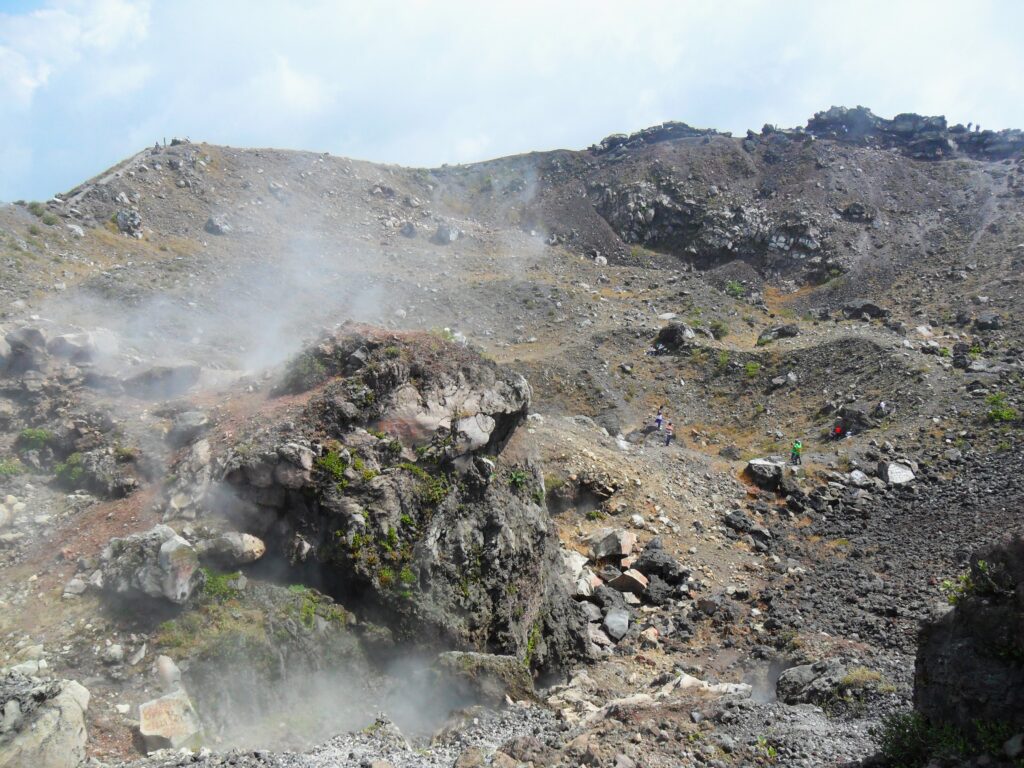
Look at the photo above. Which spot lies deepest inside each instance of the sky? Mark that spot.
(86, 83)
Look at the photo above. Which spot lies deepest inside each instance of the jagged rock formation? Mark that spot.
(917, 136)
(394, 486)
(707, 230)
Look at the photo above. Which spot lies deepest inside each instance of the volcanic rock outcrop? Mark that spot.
(970, 663)
(401, 484)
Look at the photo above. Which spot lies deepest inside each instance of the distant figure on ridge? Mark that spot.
(670, 432)
(659, 419)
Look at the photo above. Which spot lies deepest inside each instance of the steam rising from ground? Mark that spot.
(243, 305)
(243, 710)
(252, 299)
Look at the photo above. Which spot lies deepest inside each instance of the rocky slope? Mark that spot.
(279, 428)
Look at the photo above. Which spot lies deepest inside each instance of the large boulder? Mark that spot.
(970, 663)
(249, 650)
(895, 473)
(42, 724)
(129, 222)
(158, 563)
(231, 549)
(815, 683)
(766, 473)
(84, 346)
(988, 321)
(217, 225)
(787, 331)
(858, 308)
(655, 561)
(674, 336)
(170, 722)
(394, 481)
(25, 349)
(612, 543)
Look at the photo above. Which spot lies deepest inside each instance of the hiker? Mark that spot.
(670, 432)
(795, 451)
(659, 419)
(838, 430)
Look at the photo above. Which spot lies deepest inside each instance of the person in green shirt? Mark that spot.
(795, 451)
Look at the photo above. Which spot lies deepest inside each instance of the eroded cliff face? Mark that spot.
(394, 487)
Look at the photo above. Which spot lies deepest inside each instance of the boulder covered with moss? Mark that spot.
(399, 478)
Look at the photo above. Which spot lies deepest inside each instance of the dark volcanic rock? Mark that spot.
(970, 663)
(864, 307)
(394, 488)
(917, 136)
(655, 561)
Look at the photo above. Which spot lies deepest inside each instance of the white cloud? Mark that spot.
(37, 46)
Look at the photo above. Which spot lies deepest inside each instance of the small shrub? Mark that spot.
(999, 410)
(735, 289)
(751, 369)
(722, 361)
(34, 439)
(304, 372)
(858, 678)
(909, 741)
(955, 590)
(719, 329)
(124, 454)
(218, 585)
(766, 750)
(36, 208)
(34, 230)
(333, 464)
(50, 219)
(517, 479)
(10, 467)
(70, 471)
(386, 577)
(392, 352)
(406, 576)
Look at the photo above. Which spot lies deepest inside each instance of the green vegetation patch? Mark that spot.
(10, 467)
(34, 439)
(719, 329)
(908, 740)
(70, 471)
(219, 586)
(999, 410)
(304, 372)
